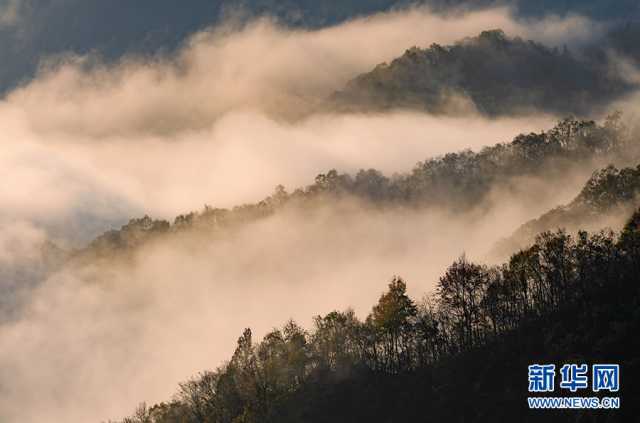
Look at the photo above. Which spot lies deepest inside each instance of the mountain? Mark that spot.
(606, 201)
(458, 182)
(461, 355)
(32, 30)
(497, 74)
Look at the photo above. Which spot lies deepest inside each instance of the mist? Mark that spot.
(125, 330)
(86, 146)
(257, 66)
(215, 125)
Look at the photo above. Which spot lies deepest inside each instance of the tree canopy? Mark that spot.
(460, 354)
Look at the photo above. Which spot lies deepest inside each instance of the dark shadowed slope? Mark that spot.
(460, 356)
(497, 74)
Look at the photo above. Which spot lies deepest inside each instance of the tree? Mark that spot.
(460, 293)
(393, 318)
(335, 341)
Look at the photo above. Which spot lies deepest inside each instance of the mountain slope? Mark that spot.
(458, 182)
(460, 356)
(607, 200)
(497, 74)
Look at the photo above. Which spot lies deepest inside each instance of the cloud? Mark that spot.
(221, 123)
(19, 243)
(571, 30)
(96, 339)
(259, 66)
(240, 159)
(9, 13)
(214, 123)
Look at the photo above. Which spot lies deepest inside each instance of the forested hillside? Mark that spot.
(499, 75)
(459, 355)
(456, 181)
(608, 199)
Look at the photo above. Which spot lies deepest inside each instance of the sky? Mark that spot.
(35, 30)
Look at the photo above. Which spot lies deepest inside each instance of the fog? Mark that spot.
(98, 339)
(8, 13)
(257, 66)
(87, 146)
(215, 124)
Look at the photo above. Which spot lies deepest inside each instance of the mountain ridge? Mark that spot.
(456, 181)
(495, 74)
(606, 201)
(473, 338)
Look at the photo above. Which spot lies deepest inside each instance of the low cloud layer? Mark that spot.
(104, 143)
(258, 66)
(87, 145)
(8, 13)
(98, 338)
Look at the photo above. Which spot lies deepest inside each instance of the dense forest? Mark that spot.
(456, 181)
(460, 354)
(498, 74)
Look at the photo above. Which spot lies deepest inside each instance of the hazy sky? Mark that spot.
(32, 29)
